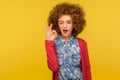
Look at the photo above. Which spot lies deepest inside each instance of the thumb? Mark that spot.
(54, 32)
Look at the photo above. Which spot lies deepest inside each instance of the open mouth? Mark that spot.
(65, 31)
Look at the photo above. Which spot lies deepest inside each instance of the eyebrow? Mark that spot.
(63, 21)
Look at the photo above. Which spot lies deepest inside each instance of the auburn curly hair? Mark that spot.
(74, 10)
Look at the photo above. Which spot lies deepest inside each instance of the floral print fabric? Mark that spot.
(68, 53)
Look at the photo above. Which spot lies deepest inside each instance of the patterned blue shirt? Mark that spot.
(68, 53)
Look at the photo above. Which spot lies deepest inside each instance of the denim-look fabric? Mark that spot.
(68, 53)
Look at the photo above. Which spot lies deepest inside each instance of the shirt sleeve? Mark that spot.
(52, 59)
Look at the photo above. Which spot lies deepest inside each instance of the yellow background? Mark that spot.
(22, 50)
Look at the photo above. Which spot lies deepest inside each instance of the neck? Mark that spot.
(66, 38)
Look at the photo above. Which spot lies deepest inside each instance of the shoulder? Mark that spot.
(81, 40)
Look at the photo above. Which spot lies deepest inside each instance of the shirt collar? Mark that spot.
(63, 41)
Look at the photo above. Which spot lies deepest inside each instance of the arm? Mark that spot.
(87, 66)
(52, 59)
(85, 60)
(50, 48)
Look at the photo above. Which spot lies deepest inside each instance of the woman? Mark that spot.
(67, 55)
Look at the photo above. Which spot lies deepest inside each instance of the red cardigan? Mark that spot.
(53, 63)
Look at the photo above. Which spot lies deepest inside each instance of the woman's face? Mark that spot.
(65, 25)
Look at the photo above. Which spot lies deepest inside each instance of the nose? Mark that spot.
(65, 25)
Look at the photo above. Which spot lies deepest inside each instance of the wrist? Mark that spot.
(49, 39)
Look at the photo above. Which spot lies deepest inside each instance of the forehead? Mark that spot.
(65, 18)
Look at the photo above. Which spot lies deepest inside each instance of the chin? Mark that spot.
(65, 35)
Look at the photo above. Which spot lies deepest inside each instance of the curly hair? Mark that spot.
(74, 10)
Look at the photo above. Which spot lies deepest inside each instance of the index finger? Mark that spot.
(51, 26)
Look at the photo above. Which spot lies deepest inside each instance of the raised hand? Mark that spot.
(50, 34)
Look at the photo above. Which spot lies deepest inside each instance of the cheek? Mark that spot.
(71, 28)
(60, 27)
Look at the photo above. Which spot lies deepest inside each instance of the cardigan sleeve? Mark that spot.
(85, 60)
(87, 66)
(52, 60)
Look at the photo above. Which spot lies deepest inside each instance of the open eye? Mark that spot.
(69, 22)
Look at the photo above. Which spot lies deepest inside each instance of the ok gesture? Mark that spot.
(50, 34)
